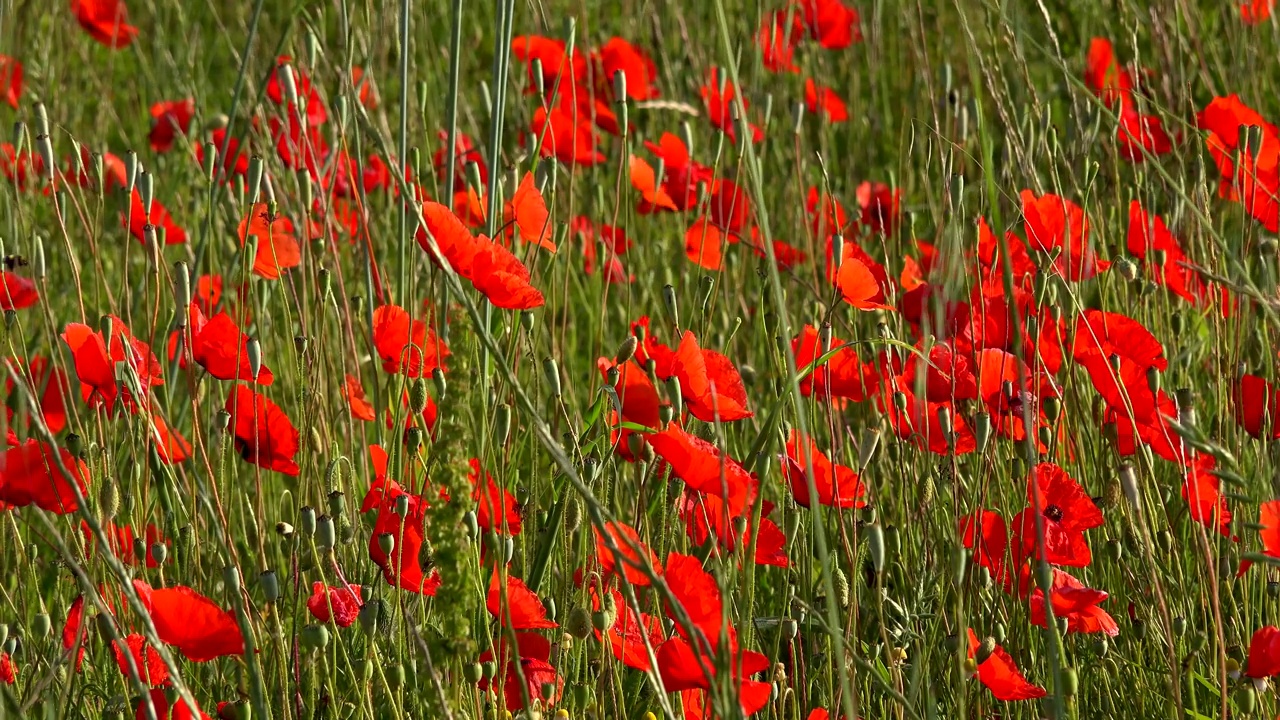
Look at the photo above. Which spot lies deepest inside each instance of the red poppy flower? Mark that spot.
(16, 292)
(1255, 182)
(607, 239)
(644, 179)
(73, 634)
(169, 119)
(10, 80)
(503, 279)
(1264, 653)
(307, 93)
(264, 435)
(636, 393)
(106, 21)
(917, 419)
(832, 23)
(705, 517)
(1269, 532)
(137, 221)
(709, 383)
(532, 653)
(1202, 491)
(146, 660)
(1139, 132)
(1006, 387)
(567, 137)
(528, 211)
(401, 567)
(704, 245)
(277, 248)
(629, 632)
(1075, 602)
(1104, 74)
(1118, 351)
(948, 375)
(353, 393)
(625, 536)
(1001, 676)
(20, 168)
(221, 349)
(406, 345)
(984, 532)
(880, 207)
(341, 604)
(702, 467)
(1147, 235)
(496, 509)
(30, 475)
(837, 485)
(300, 146)
(1053, 223)
(680, 174)
(465, 153)
(719, 100)
(857, 283)
(233, 161)
(1253, 12)
(778, 42)
(843, 375)
(191, 622)
(178, 710)
(522, 606)
(618, 55)
(824, 102)
(122, 540)
(554, 56)
(1067, 512)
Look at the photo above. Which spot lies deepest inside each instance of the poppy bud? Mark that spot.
(472, 672)
(314, 637)
(270, 585)
(875, 545)
(326, 534)
(985, 649)
(1129, 483)
(539, 80)
(307, 520)
(960, 566)
(160, 552)
(603, 620)
(572, 514)
(1164, 539)
(40, 625)
(1113, 550)
(337, 502)
(370, 616)
(1249, 139)
(900, 401)
(1245, 699)
(1126, 269)
(413, 440)
(254, 351)
(1052, 409)
(1070, 682)
(256, 170)
(471, 523)
(210, 164)
(944, 423)
(579, 623)
(552, 372)
(437, 377)
(620, 94)
(674, 395)
(395, 676)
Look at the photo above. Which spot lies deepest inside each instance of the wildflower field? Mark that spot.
(786, 359)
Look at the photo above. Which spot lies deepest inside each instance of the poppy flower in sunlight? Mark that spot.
(618, 55)
(1147, 238)
(880, 205)
(554, 56)
(533, 653)
(1118, 352)
(719, 101)
(857, 283)
(704, 245)
(1066, 511)
(147, 664)
(824, 102)
(1076, 603)
(528, 211)
(307, 93)
(20, 168)
(406, 345)
(1054, 223)
(521, 609)
(1255, 182)
(341, 604)
(778, 42)
(1269, 530)
(680, 175)
(627, 638)
(1006, 387)
(169, 120)
(353, 393)
(709, 383)
(644, 179)
(233, 161)
(917, 419)
(106, 21)
(96, 360)
(1256, 406)
(1000, 674)
(137, 220)
(16, 292)
(10, 80)
(402, 567)
(631, 547)
(569, 139)
(264, 435)
(703, 468)
(1253, 12)
(496, 509)
(1205, 502)
(277, 249)
(1103, 73)
(843, 375)
(221, 349)
(33, 474)
(609, 240)
(984, 532)
(832, 23)
(837, 485)
(48, 384)
(705, 517)
(948, 375)
(465, 152)
(191, 622)
(1139, 133)
(637, 396)
(1264, 653)
(299, 146)
(122, 540)
(164, 710)
(503, 279)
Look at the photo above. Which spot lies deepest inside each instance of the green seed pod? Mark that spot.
(1000, 633)
(413, 440)
(788, 629)
(1179, 626)
(960, 566)
(1113, 550)
(982, 432)
(1245, 699)
(314, 637)
(337, 503)
(210, 165)
(502, 423)
(307, 521)
(437, 377)
(418, 396)
(370, 616)
(626, 350)
(472, 672)
(670, 306)
(160, 552)
(270, 585)
(108, 499)
(231, 579)
(868, 444)
(472, 524)
(1070, 682)
(257, 169)
(549, 603)
(985, 649)
(41, 625)
(1101, 645)
(551, 370)
(875, 545)
(666, 414)
(326, 533)
(572, 514)
(488, 669)
(395, 676)
(674, 397)
(579, 623)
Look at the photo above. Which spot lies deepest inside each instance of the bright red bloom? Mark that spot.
(1139, 132)
(701, 466)
(1067, 512)
(704, 245)
(164, 710)
(644, 179)
(402, 567)
(710, 385)
(496, 509)
(353, 393)
(277, 248)
(837, 485)
(48, 384)
(984, 532)
(1256, 405)
(1118, 351)
(406, 345)
(465, 153)
(832, 23)
(1255, 181)
(264, 435)
(555, 59)
(844, 375)
(567, 137)
(824, 102)
(146, 660)
(1075, 602)
(1269, 519)
(16, 292)
(1202, 491)
(705, 517)
(1053, 223)
(1264, 653)
(137, 221)
(234, 161)
(95, 363)
(857, 283)
(719, 101)
(532, 653)
(1104, 74)
(880, 207)
(624, 536)
(307, 94)
(191, 622)
(221, 349)
(345, 603)
(641, 72)
(1148, 235)
(528, 211)
(106, 21)
(1001, 676)
(10, 80)
(1253, 12)
(636, 393)
(30, 475)
(680, 175)
(778, 42)
(170, 119)
(628, 635)
(522, 606)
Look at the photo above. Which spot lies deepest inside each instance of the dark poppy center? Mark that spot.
(1054, 513)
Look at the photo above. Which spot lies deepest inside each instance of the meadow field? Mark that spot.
(679, 359)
